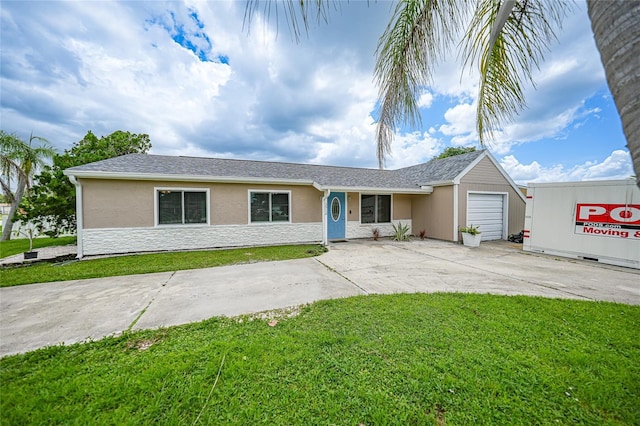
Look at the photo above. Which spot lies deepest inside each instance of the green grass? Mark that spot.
(375, 360)
(20, 245)
(149, 263)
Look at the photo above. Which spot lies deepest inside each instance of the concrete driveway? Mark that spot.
(38, 315)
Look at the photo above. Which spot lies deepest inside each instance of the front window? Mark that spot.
(181, 207)
(269, 206)
(375, 208)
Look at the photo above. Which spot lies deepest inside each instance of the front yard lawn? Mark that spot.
(149, 263)
(375, 360)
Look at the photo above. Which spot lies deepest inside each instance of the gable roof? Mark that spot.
(414, 179)
(444, 170)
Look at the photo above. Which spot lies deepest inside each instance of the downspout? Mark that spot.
(455, 212)
(79, 219)
(325, 200)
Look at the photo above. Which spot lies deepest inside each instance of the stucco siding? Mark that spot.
(117, 203)
(128, 240)
(130, 204)
(229, 204)
(353, 206)
(401, 207)
(307, 204)
(434, 213)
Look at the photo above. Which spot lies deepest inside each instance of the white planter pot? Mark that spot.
(471, 240)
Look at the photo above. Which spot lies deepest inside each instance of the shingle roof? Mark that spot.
(442, 170)
(326, 176)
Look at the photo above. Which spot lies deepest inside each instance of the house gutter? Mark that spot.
(455, 212)
(79, 216)
(424, 189)
(183, 178)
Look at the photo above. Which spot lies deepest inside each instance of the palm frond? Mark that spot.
(33, 158)
(297, 12)
(9, 169)
(507, 48)
(419, 34)
(19, 160)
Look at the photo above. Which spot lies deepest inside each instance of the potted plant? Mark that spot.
(30, 233)
(471, 236)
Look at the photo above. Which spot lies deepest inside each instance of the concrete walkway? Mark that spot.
(38, 315)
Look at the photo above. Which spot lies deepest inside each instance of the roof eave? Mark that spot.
(375, 190)
(439, 183)
(88, 174)
(85, 174)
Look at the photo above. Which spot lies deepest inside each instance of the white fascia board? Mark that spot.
(439, 183)
(184, 178)
(373, 190)
(237, 179)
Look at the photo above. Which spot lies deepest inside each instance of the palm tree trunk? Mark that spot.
(616, 29)
(8, 226)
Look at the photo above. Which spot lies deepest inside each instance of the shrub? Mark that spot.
(422, 234)
(473, 230)
(400, 232)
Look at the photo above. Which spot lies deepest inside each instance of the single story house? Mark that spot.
(141, 202)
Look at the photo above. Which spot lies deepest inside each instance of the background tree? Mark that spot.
(51, 203)
(20, 160)
(504, 40)
(454, 150)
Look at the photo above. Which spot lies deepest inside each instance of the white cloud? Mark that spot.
(413, 148)
(425, 100)
(461, 120)
(616, 166)
(68, 67)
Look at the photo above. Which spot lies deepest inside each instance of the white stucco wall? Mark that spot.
(357, 230)
(128, 240)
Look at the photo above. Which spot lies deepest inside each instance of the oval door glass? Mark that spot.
(335, 209)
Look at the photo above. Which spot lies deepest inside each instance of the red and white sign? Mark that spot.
(608, 220)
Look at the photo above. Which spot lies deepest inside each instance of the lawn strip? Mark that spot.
(150, 263)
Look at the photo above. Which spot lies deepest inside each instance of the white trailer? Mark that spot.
(596, 220)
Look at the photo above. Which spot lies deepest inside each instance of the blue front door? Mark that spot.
(336, 216)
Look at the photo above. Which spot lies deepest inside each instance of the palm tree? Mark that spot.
(616, 29)
(504, 40)
(19, 161)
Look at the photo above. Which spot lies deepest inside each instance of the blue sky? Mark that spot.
(188, 74)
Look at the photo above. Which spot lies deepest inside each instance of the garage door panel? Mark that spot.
(486, 211)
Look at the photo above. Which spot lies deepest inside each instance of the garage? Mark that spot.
(486, 211)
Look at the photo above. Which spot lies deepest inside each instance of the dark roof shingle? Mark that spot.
(326, 176)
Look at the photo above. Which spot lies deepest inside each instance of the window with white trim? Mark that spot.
(269, 206)
(180, 207)
(375, 208)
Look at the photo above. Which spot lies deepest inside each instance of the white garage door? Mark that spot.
(486, 211)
